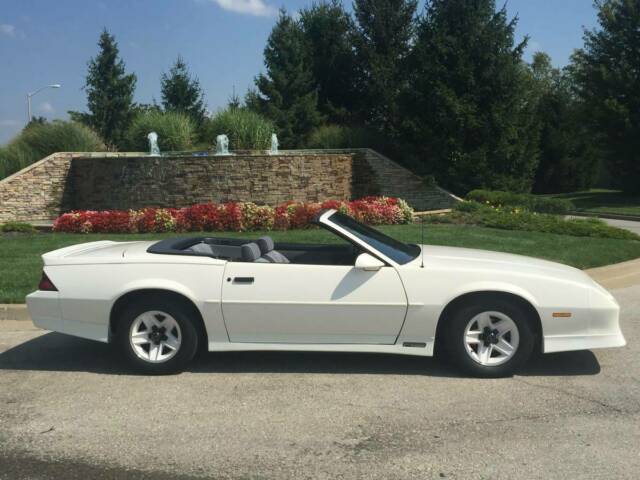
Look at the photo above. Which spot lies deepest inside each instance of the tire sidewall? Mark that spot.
(188, 345)
(457, 348)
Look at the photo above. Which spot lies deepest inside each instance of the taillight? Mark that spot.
(46, 284)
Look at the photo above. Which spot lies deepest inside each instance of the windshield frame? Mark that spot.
(394, 252)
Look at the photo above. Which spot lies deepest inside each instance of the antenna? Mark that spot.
(422, 241)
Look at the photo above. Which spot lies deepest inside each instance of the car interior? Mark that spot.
(261, 250)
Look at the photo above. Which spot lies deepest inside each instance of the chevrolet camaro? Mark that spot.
(159, 302)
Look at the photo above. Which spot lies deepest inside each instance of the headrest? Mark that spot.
(201, 248)
(266, 244)
(250, 252)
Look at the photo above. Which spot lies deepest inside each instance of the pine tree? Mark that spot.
(328, 31)
(608, 82)
(182, 93)
(471, 107)
(287, 93)
(109, 93)
(382, 43)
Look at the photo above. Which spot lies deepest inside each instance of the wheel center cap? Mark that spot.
(489, 336)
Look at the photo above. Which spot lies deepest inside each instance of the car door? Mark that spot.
(329, 304)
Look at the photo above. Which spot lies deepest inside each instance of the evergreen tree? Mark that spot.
(109, 93)
(182, 93)
(328, 31)
(568, 158)
(471, 106)
(608, 82)
(287, 93)
(382, 42)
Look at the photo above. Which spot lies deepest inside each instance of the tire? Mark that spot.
(479, 334)
(156, 336)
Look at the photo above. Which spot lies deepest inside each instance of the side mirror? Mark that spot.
(368, 263)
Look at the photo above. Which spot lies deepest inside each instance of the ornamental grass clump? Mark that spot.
(176, 131)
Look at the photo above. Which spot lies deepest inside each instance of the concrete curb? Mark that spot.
(619, 275)
(611, 216)
(14, 312)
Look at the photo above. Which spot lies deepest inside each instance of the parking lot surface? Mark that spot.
(69, 409)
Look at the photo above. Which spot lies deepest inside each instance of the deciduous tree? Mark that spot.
(607, 71)
(471, 105)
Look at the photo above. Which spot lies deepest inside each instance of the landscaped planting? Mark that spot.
(232, 216)
(526, 201)
(519, 218)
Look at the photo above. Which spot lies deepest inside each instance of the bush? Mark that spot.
(17, 227)
(232, 216)
(339, 136)
(518, 218)
(176, 131)
(246, 130)
(532, 203)
(39, 140)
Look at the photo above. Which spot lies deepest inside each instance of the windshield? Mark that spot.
(397, 251)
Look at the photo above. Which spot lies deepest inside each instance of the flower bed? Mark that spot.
(232, 216)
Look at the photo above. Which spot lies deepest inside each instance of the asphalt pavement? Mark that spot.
(69, 409)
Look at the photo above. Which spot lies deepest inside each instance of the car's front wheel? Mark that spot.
(490, 338)
(156, 336)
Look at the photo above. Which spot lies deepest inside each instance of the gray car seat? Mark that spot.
(268, 253)
(201, 248)
(251, 253)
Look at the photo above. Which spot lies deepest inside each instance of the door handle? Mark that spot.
(243, 280)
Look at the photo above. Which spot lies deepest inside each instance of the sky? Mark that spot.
(49, 42)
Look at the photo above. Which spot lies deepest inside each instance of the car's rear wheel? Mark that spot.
(156, 336)
(490, 338)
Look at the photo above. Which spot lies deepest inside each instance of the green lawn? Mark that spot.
(603, 201)
(20, 263)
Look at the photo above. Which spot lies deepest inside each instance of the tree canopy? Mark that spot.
(607, 73)
(328, 31)
(470, 109)
(287, 94)
(182, 93)
(109, 93)
(384, 29)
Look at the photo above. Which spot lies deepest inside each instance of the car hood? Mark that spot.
(467, 258)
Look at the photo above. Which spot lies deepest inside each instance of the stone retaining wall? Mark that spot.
(68, 181)
(122, 183)
(43, 190)
(375, 174)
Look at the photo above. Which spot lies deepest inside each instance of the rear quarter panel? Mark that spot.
(87, 293)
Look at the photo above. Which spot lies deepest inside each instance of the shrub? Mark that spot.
(39, 140)
(340, 136)
(17, 227)
(518, 218)
(232, 216)
(176, 131)
(533, 203)
(246, 130)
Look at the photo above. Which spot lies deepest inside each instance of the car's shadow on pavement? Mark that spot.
(57, 352)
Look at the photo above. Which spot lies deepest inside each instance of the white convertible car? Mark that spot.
(159, 302)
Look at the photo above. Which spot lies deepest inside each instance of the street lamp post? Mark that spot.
(29, 95)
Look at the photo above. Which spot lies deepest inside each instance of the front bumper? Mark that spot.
(600, 327)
